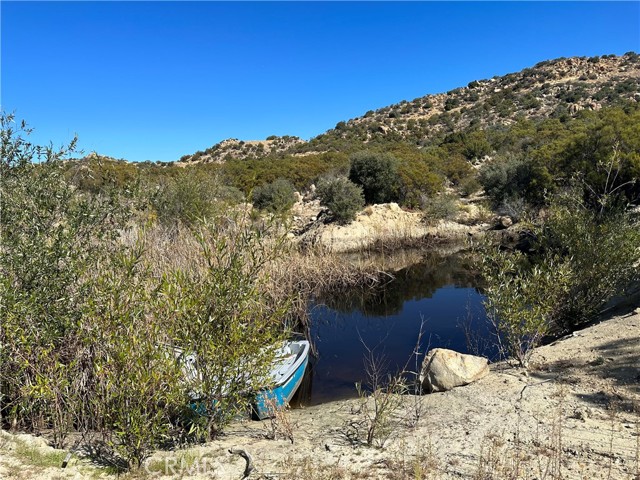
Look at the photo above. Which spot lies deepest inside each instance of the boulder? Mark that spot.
(444, 369)
(502, 222)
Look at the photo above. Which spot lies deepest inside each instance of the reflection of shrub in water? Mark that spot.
(416, 282)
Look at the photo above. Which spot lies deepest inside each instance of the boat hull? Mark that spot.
(268, 401)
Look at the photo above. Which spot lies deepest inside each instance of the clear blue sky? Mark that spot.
(156, 80)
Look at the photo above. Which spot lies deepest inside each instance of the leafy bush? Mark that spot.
(439, 207)
(584, 259)
(521, 299)
(469, 185)
(377, 173)
(85, 319)
(276, 197)
(601, 251)
(342, 197)
(192, 196)
(218, 308)
(516, 176)
(418, 178)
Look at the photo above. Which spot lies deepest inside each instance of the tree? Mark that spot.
(378, 175)
(342, 197)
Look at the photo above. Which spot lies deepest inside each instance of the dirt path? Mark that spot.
(574, 415)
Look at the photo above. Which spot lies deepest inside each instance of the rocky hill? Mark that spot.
(555, 88)
(234, 148)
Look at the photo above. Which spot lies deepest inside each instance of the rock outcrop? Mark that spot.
(444, 369)
(384, 225)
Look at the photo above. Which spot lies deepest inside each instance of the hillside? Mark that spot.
(551, 89)
(232, 148)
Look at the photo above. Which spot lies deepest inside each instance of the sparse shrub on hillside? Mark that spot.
(476, 145)
(342, 197)
(605, 157)
(99, 174)
(275, 197)
(192, 196)
(378, 175)
(439, 207)
(418, 179)
(516, 176)
(514, 207)
(469, 185)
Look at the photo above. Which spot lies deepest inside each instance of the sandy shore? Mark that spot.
(573, 415)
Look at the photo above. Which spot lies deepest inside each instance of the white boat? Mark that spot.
(286, 376)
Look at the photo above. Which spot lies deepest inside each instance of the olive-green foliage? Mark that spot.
(98, 174)
(342, 197)
(136, 389)
(606, 156)
(476, 145)
(53, 237)
(378, 175)
(193, 196)
(514, 176)
(439, 207)
(276, 197)
(584, 259)
(418, 178)
(302, 171)
(602, 254)
(88, 328)
(521, 299)
(219, 311)
(599, 149)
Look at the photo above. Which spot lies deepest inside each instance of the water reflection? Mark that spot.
(441, 290)
(416, 282)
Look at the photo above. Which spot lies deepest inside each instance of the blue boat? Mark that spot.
(286, 376)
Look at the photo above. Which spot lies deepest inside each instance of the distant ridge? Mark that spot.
(553, 88)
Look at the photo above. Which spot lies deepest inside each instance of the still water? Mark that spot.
(440, 293)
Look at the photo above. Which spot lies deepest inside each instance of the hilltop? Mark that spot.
(559, 88)
(233, 148)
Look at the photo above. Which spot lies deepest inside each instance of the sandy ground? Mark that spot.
(573, 415)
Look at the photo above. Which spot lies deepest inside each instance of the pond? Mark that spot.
(439, 294)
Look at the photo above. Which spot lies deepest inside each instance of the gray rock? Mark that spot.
(444, 369)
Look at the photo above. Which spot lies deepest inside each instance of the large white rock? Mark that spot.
(444, 369)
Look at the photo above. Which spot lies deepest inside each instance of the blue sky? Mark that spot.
(156, 80)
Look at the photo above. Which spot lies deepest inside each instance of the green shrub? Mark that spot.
(192, 196)
(85, 320)
(469, 185)
(276, 197)
(418, 178)
(516, 176)
(439, 207)
(521, 299)
(601, 250)
(583, 260)
(342, 197)
(378, 175)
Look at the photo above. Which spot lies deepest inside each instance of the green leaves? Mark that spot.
(275, 197)
(343, 198)
(522, 299)
(583, 260)
(378, 175)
